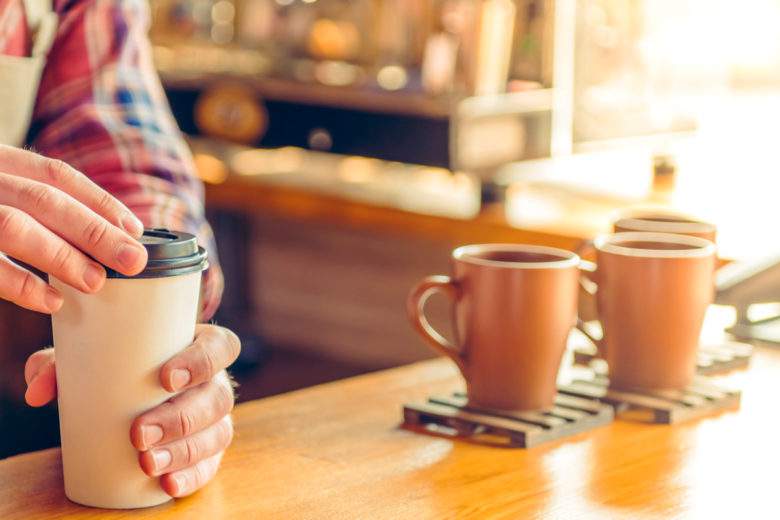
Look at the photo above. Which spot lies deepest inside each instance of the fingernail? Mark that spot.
(53, 299)
(129, 256)
(132, 225)
(151, 434)
(181, 483)
(94, 275)
(180, 377)
(161, 458)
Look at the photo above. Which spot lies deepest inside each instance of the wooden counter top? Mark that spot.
(336, 451)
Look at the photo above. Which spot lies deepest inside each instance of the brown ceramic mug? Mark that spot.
(663, 221)
(652, 291)
(514, 308)
(652, 221)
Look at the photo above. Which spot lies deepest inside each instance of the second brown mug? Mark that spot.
(514, 308)
(652, 291)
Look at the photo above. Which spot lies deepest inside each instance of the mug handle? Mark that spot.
(585, 248)
(415, 308)
(586, 306)
(587, 309)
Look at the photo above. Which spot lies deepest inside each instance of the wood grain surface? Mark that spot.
(336, 451)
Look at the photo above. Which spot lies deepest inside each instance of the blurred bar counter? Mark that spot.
(557, 201)
(409, 201)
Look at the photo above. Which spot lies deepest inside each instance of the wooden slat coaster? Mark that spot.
(712, 358)
(701, 398)
(570, 415)
(718, 358)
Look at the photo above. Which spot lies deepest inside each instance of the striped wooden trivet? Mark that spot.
(701, 398)
(715, 358)
(453, 415)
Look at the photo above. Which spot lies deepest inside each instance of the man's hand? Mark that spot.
(183, 439)
(57, 220)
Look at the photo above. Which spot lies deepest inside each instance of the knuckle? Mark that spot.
(210, 365)
(43, 198)
(200, 474)
(105, 202)
(26, 287)
(12, 222)
(191, 451)
(57, 171)
(95, 232)
(34, 194)
(62, 257)
(224, 397)
(225, 432)
(186, 423)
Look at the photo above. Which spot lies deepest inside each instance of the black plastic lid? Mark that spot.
(171, 253)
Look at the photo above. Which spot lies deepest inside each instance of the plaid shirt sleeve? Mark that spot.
(101, 108)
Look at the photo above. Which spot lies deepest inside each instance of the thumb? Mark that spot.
(41, 378)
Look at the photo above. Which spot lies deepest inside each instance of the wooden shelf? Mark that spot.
(369, 99)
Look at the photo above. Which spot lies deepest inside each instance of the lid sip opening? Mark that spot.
(171, 253)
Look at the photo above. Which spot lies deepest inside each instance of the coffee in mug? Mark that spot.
(109, 348)
(663, 221)
(652, 291)
(514, 308)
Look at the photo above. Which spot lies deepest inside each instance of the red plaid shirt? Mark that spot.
(101, 108)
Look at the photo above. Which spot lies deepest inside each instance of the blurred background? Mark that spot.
(348, 145)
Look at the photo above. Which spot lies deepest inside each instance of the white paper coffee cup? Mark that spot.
(109, 347)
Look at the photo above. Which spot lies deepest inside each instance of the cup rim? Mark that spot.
(466, 254)
(610, 243)
(636, 220)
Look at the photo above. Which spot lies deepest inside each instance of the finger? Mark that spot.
(23, 238)
(189, 451)
(75, 222)
(43, 387)
(59, 174)
(35, 362)
(187, 481)
(20, 286)
(214, 349)
(183, 415)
